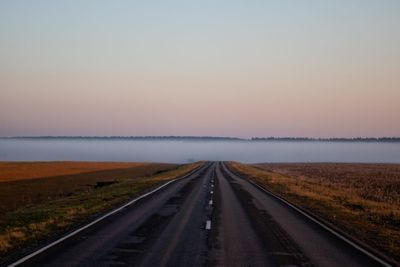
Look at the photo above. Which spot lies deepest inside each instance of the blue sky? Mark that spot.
(242, 68)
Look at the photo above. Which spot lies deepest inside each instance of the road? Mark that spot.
(212, 217)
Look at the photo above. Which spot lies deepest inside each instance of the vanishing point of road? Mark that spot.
(211, 217)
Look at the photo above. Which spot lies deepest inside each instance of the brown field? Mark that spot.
(12, 171)
(34, 210)
(376, 182)
(361, 199)
(18, 191)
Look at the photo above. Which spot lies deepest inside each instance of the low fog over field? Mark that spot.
(187, 151)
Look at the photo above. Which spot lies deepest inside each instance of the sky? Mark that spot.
(220, 68)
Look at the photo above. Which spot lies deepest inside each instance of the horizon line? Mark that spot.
(210, 137)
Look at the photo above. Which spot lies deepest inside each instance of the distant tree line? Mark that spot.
(172, 137)
(216, 138)
(334, 139)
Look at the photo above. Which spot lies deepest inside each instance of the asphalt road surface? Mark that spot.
(212, 217)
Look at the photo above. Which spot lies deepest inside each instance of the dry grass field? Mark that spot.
(40, 208)
(376, 182)
(361, 199)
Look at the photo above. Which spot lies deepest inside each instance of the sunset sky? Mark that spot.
(222, 68)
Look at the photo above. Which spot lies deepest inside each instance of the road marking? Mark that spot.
(210, 202)
(208, 225)
(37, 252)
(212, 192)
(326, 227)
(212, 185)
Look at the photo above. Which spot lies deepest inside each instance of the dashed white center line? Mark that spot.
(208, 225)
(210, 202)
(212, 185)
(211, 192)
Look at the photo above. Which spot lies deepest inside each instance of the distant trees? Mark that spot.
(216, 138)
(334, 139)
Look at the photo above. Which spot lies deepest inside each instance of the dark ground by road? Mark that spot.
(210, 218)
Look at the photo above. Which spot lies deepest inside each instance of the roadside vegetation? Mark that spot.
(32, 223)
(363, 200)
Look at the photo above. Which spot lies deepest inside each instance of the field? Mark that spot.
(33, 210)
(28, 183)
(12, 171)
(361, 199)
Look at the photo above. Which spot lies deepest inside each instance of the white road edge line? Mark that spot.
(208, 225)
(37, 252)
(384, 263)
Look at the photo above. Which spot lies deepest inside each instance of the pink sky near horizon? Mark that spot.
(281, 69)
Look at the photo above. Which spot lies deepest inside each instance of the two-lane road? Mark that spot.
(211, 217)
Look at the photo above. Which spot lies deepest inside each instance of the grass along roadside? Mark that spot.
(29, 226)
(375, 222)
